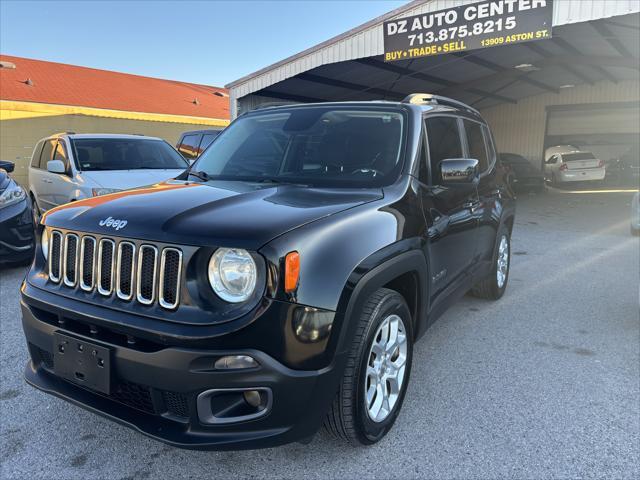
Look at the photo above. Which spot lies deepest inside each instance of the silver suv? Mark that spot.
(66, 167)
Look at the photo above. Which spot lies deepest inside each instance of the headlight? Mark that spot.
(12, 195)
(96, 192)
(232, 274)
(44, 243)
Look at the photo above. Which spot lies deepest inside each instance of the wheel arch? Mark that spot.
(407, 273)
(508, 221)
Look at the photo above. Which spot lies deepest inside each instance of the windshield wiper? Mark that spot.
(204, 176)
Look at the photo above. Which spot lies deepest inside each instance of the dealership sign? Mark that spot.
(488, 23)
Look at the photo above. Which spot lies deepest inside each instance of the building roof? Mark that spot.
(39, 81)
(366, 40)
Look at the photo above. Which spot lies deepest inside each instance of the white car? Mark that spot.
(568, 164)
(67, 167)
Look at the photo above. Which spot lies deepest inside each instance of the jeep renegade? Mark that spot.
(278, 284)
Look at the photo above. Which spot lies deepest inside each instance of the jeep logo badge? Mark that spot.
(113, 223)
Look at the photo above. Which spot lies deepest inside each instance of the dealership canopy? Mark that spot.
(492, 52)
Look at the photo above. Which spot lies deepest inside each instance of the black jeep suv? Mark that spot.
(280, 282)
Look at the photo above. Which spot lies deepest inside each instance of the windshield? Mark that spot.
(126, 154)
(572, 157)
(329, 146)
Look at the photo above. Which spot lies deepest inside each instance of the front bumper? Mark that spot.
(155, 389)
(16, 233)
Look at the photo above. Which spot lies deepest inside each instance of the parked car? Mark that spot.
(524, 175)
(17, 240)
(267, 290)
(559, 149)
(635, 214)
(625, 170)
(68, 167)
(193, 143)
(573, 166)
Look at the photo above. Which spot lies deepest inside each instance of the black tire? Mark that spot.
(488, 287)
(348, 418)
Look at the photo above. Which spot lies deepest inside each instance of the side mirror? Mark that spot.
(458, 170)
(56, 166)
(7, 166)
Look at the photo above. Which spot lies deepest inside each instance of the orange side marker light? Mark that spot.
(291, 271)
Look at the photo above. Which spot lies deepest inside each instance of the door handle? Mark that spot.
(46, 180)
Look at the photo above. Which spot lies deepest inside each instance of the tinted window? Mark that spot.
(476, 145)
(316, 145)
(47, 153)
(61, 154)
(35, 158)
(443, 137)
(553, 159)
(572, 157)
(491, 147)
(125, 154)
(207, 138)
(189, 146)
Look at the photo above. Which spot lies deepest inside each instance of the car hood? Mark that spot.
(125, 179)
(216, 213)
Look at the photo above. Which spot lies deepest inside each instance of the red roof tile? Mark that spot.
(62, 84)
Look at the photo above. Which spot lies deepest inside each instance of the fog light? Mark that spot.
(252, 397)
(235, 362)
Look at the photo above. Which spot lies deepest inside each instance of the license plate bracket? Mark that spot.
(81, 362)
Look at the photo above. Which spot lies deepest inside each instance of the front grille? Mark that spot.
(176, 403)
(70, 256)
(147, 263)
(55, 256)
(105, 266)
(133, 395)
(41, 356)
(113, 266)
(87, 263)
(126, 252)
(170, 267)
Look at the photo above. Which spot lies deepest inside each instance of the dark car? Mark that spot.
(277, 285)
(17, 241)
(193, 143)
(523, 175)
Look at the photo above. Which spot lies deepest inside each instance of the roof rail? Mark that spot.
(273, 104)
(429, 98)
(62, 133)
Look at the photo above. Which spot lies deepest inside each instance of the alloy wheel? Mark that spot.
(503, 262)
(386, 365)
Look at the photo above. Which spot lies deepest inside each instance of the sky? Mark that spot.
(208, 42)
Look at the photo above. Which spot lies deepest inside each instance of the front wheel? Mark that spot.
(375, 379)
(493, 286)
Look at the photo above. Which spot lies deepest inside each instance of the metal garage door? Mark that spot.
(607, 129)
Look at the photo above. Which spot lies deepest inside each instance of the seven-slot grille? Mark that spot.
(116, 267)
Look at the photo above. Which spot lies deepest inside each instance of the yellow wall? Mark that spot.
(21, 127)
